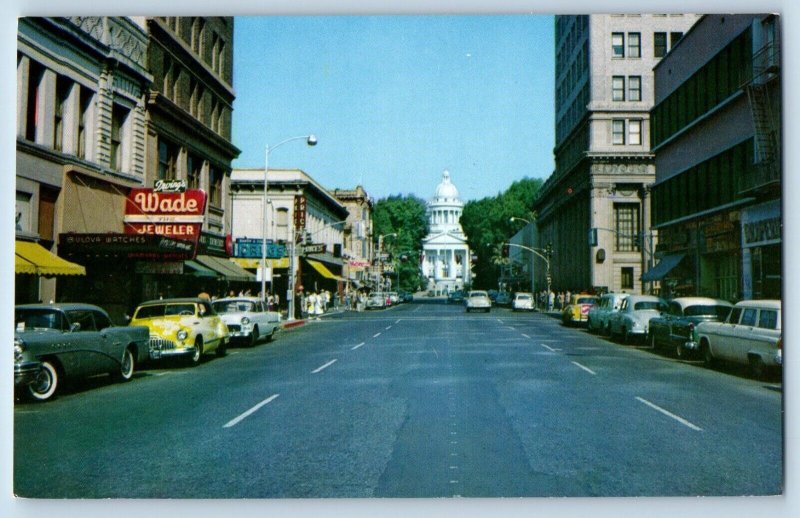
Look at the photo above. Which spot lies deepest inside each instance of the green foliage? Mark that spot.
(487, 224)
(406, 217)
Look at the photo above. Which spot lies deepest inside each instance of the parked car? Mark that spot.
(53, 342)
(577, 309)
(674, 328)
(598, 319)
(751, 335)
(406, 296)
(376, 300)
(522, 302)
(503, 299)
(633, 318)
(455, 297)
(394, 298)
(247, 318)
(478, 300)
(185, 328)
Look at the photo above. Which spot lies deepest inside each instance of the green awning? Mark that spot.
(228, 269)
(198, 270)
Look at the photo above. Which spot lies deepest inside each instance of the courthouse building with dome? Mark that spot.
(446, 260)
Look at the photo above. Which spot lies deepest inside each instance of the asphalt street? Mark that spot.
(420, 400)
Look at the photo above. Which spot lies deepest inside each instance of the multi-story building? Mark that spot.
(357, 247)
(81, 99)
(717, 141)
(96, 124)
(594, 209)
(304, 225)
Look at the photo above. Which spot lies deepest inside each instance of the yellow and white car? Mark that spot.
(182, 327)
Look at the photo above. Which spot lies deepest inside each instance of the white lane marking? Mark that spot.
(548, 348)
(397, 322)
(357, 346)
(376, 335)
(670, 414)
(323, 367)
(587, 369)
(499, 320)
(388, 328)
(236, 420)
(526, 336)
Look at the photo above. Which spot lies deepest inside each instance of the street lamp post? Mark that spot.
(545, 254)
(311, 140)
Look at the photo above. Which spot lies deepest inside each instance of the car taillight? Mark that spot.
(780, 343)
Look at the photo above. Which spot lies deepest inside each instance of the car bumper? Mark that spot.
(25, 373)
(172, 353)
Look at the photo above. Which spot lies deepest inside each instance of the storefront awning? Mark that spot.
(252, 264)
(323, 270)
(198, 270)
(228, 269)
(34, 259)
(663, 268)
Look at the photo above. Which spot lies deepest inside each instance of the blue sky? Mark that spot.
(395, 100)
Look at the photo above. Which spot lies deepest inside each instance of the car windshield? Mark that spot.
(648, 304)
(478, 294)
(161, 310)
(719, 312)
(587, 300)
(523, 297)
(234, 306)
(45, 318)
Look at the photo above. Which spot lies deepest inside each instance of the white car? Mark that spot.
(247, 318)
(751, 335)
(522, 302)
(478, 300)
(633, 318)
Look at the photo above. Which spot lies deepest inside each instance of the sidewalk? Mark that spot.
(302, 321)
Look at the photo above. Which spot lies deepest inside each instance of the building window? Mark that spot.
(626, 227)
(617, 45)
(197, 34)
(194, 167)
(119, 117)
(22, 212)
(618, 88)
(618, 132)
(659, 44)
(35, 76)
(282, 224)
(63, 87)
(634, 88)
(83, 120)
(674, 37)
(635, 132)
(634, 45)
(167, 160)
(626, 280)
(215, 187)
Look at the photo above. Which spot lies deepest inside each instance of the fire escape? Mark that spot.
(763, 95)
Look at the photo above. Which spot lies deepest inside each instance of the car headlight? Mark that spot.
(19, 348)
(245, 321)
(182, 335)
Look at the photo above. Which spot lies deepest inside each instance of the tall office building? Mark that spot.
(594, 209)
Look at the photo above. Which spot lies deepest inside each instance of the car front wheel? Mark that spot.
(45, 384)
(194, 359)
(126, 366)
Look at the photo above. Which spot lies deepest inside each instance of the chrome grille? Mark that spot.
(159, 344)
(234, 327)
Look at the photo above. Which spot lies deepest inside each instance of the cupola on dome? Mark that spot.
(446, 190)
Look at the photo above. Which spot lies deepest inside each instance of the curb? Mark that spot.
(290, 325)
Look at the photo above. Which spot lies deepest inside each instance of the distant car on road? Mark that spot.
(376, 300)
(455, 297)
(185, 328)
(633, 318)
(478, 300)
(247, 318)
(503, 299)
(522, 302)
(751, 335)
(53, 342)
(577, 310)
(674, 328)
(598, 319)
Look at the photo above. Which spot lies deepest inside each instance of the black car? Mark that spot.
(674, 328)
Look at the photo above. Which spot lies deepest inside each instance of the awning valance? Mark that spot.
(252, 264)
(228, 269)
(34, 259)
(663, 267)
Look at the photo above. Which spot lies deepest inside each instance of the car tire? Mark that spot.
(126, 367)
(222, 347)
(626, 338)
(195, 358)
(758, 368)
(652, 340)
(271, 336)
(254, 336)
(46, 383)
(680, 352)
(708, 357)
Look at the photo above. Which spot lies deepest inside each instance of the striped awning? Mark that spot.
(252, 264)
(228, 269)
(34, 259)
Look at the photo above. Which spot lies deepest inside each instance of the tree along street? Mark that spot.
(421, 400)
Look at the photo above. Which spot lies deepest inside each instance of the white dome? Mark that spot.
(446, 190)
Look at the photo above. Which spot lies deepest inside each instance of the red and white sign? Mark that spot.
(174, 214)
